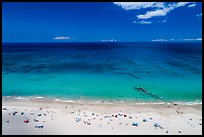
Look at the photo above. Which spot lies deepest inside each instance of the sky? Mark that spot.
(101, 21)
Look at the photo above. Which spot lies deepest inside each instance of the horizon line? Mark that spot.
(107, 42)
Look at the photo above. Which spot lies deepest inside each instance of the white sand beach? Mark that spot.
(68, 118)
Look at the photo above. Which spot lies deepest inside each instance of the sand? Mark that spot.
(68, 118)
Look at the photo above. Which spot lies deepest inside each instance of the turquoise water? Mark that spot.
(171, 71)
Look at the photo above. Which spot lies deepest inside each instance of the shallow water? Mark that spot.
(169, 71)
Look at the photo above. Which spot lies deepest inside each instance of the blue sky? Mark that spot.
(101, 21)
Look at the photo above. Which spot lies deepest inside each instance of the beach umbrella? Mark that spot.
(157, 125)
(135, 123)
(39, 126)
(26, 121)
(36, 120)
(144, 120)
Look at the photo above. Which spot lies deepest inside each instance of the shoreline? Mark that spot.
(104, 101)
(72, 117)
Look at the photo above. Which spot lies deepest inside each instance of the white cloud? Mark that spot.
(139, 5)
(62, 38)
(180, 4)
(198, 15)
(142, 22)
(199, 39)
(164, 21)
(158, 8)
(192, 5)
(161, 12)
(151, 14)
(192, 39)
(160, 40)
(111, 40)
(195, 39)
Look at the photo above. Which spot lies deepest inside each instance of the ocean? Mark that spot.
(138, 72)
